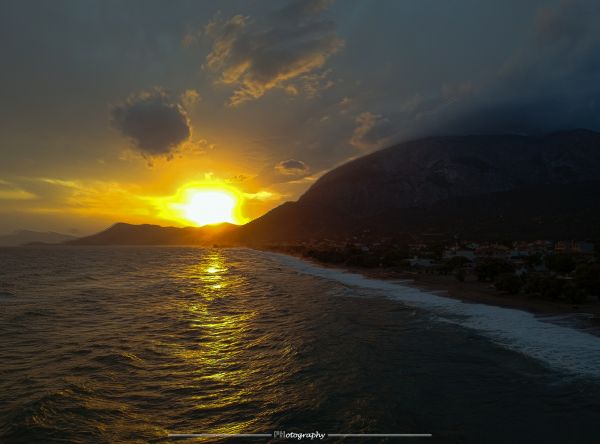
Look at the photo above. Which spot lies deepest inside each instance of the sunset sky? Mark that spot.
(111, 110)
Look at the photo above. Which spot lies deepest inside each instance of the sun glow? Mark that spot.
(207, 204)
(210, 207)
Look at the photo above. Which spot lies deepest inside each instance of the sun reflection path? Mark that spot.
(224, 377)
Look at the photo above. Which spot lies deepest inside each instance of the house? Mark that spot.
(417, 247)
(521, 271)
(467, 254)
(493, 252)
(519, 253)
(420, 262)
(585, 247)
(574, 247)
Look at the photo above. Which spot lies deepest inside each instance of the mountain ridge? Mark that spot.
(487, 164)
(415, 179)
(24, 237)
(475, 186)
(122, 233)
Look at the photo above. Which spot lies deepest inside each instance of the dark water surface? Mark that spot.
(131, 344)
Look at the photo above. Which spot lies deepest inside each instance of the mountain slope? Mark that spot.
(489, 186)
(475, 187)
(24, 237)
(127, 234)
(421, 172)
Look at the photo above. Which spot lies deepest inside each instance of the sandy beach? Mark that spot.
(481, 292)
(470, 291)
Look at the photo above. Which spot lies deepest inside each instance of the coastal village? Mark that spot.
(546, 270)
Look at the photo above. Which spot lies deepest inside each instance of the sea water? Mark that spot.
(132, 344)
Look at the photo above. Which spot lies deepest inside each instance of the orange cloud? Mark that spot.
(283, 53)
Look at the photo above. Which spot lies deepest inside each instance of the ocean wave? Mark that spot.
(561, 347)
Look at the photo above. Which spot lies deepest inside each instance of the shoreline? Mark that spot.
(483, 293)
(470, 291)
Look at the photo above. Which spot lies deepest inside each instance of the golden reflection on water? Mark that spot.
(223, 379)
(213, 274)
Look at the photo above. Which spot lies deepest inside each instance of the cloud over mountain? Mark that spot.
(372, 131)
(549, 83)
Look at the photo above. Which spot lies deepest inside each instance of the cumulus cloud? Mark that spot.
(292, 167)
(372, 131)
(346, 105)
(190, 97)
(313, 84)
(286, 51)
(156, 123)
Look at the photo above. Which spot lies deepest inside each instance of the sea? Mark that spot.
(177, 344)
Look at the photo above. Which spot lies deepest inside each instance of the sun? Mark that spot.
(206, 207)
(203, 203)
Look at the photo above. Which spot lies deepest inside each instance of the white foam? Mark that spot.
(560, 347)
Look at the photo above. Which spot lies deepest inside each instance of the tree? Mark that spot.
(488, 269)
(460, 274)
(551, 288)
(326, 256)
(456, 262)
(363, 259)
(533, 260)
(509, 282)
(393, 257)
(574, 294)
(587, 278)
(560, 263)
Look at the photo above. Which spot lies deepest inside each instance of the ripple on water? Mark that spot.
(129, 344)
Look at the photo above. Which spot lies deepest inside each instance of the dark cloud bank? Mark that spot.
(154, 122)
(552, 83)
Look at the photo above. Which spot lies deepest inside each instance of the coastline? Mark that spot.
(470, 291)
(480, 292)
